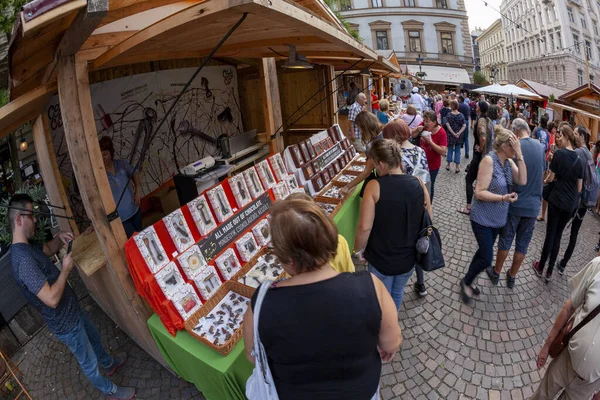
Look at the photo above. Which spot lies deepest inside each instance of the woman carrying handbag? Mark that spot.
(320, 334)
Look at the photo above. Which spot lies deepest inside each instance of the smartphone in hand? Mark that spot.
(69, 246)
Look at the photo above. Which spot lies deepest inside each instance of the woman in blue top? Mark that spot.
(118, 173)
(493, 193)
(382, 115)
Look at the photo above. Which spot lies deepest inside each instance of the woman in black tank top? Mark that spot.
(391, 216)
(314, 350)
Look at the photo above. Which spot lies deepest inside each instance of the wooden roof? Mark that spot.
(583, 90)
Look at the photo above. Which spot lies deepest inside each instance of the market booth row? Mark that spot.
(248, 130)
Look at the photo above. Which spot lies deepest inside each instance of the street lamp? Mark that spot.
(420, 74)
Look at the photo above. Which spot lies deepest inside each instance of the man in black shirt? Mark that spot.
(46, 288)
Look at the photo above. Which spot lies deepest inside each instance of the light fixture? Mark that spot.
(365, 72)
(23, 144)
(295, 60)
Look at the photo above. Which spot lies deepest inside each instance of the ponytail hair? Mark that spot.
(388, 152)
(567, 132)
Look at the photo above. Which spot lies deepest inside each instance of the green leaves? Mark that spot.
(10, 10)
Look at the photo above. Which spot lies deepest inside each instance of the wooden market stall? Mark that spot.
(59, 53)
(580, 106)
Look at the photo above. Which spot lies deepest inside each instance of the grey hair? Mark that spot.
(361, 96)
(519, 125)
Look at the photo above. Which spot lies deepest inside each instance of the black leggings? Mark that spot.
(577, 221)
(557, 220)
(472, 175)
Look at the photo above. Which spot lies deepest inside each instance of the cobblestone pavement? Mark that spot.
(487, 350)
(450, 351)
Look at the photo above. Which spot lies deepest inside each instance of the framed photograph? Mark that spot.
(317, 183)
(278, 166)
(247, 246)
(192, 262)
(207, 281)
(265, 174)
(331, 171)
(151, 249)
(308, 171)
(187, 302)
(170, 280)
(253, 183)
(339, 135)
(352, 151)
(179, 230)
(311, 150)
(336, 167)
(202, 215)
(319, 149)
(329, 143)
(220, 204)
(296, 156)
(228, 263)
(261, 232)
(240, 190)
(326, 176)
(304, 151)
(281, 191)
(345, 143)
(292, 182)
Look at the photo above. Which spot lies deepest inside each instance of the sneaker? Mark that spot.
(118, 361)
(421, 289)
(494, 277)
(467, 156)
(548, 278)
(561, 267)
(510, 281)
(122, 393)
(536, 268)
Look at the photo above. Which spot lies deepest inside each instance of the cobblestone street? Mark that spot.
(450, 351)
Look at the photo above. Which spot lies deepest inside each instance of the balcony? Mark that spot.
(434, 58)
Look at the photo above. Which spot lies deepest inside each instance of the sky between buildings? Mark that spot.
(481, 16)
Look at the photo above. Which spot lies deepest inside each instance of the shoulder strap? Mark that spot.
(587, 319)
(413, 120)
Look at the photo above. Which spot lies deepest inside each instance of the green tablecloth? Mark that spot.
(218, 377)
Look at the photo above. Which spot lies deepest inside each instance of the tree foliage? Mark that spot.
(352, 32)
(10, 10)
(479, 78)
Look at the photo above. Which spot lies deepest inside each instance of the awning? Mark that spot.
(509, 90)
(442, 75)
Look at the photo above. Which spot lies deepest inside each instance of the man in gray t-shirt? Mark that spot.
(523, 212)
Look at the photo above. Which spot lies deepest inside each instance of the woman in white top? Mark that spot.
(411, 117)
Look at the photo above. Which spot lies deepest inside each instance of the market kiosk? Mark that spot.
(84, 51)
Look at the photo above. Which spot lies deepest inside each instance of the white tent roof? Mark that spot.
(508, 90)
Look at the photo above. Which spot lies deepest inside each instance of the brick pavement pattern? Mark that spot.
(450, 350)
(487, 350)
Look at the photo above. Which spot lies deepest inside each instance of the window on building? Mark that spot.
(583, 23)
(441, 3)
(564, 74)
(377, 4)
(343, 5)
(555, 13)
(576, 43)
(598, 51)
(447, 43)
(551, 37)
(558, 41)
(595, 27)
(555, 77)
(592, 77)
(588, 49)
(409, 3)
(580, 77)
(547, 74)
(382, 40)
(571, 15)
(414, 41)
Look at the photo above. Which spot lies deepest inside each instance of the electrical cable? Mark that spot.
(44, 213)
(151, 137)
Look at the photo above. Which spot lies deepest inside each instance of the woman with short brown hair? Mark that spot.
(314, 350)
(411, 117)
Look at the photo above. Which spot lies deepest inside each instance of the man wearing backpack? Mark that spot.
(589, 194)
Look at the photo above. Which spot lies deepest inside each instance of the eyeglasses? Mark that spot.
(28, 215)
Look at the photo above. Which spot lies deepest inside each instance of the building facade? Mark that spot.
(475, 33)
(492, 50)
(548, 41)
(435, 30)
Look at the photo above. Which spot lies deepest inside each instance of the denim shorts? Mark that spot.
(523, 228)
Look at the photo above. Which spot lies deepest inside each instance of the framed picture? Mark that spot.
(240, 190)
(339, 135)
(228, 263)
(292, 182)
(202, 215)
(151, 249)
(170, 280)
(187, 302)
(220, 204)
(296, 156)
(317, 183)
(308, 171)
(247, 247)
(281, 191)
(331, 172)
(319, 149)
(265, 174)
(253, 182)
(304, 151)
(207, 282)
(326, 176)
(278, 166)
(336, 167)
(262, 233)
(192, 261)
(311, 150)
(179, 230)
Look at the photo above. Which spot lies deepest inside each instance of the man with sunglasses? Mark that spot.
(46, 288)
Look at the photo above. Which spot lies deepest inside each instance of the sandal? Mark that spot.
(457, 171)
(539, 219)
(464, 210)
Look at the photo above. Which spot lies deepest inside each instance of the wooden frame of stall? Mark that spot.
(58, 47)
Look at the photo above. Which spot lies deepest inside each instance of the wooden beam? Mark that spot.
(53, 183)
(122, 9)
(111, 286)
(63, 11)
(271, 101)
(85, 22)
(25, 108)
(332, 95)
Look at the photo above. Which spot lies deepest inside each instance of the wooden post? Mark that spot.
(594, 130)
(271, 102)
(380, 85)
(332, 94)
(50, 173)
(111, 286)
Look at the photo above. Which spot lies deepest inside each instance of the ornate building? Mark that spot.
(492, 50)
(436, 31)
(548, 41)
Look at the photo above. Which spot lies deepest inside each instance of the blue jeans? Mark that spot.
(433, 175)
(393, 283)
(467, 139)
(454, 153)
(84, 342)
(133, 224)
(482, 259)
